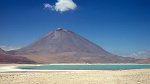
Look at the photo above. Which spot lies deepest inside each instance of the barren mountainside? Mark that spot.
(144, 61)
(5, 58)
(64, 46)
(2, 51)
(59, 41)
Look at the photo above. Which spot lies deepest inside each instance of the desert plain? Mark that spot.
(133, 76)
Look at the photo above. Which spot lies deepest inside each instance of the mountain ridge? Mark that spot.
(145, 54)
(2, 51)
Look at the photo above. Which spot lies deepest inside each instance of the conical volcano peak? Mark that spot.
(62, 40)
(57, 31)
(64, 46)
(62, 29)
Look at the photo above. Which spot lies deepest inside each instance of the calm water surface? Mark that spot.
(87, 67)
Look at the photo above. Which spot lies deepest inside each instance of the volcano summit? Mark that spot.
(65, 46)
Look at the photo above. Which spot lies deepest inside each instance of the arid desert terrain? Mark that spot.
(134, 76)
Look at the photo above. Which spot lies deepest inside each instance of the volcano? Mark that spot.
(65, 46)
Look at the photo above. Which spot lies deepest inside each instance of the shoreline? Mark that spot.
(13, 67)
(98, 64)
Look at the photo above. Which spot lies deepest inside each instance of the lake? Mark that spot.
(86, 66)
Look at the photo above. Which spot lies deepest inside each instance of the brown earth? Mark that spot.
(4, 58)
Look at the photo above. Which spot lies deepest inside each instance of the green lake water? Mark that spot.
(87, 67)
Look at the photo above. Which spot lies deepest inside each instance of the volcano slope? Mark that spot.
(65, 46)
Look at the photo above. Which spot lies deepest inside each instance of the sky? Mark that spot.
(118, 26)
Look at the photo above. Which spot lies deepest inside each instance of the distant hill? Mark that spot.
(4, 58)
(65, 46)
(2, 51)
(139, 55)
(144, 61)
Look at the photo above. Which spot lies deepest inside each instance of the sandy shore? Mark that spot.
(137, 76)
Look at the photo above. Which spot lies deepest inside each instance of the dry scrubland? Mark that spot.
(141, 76)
